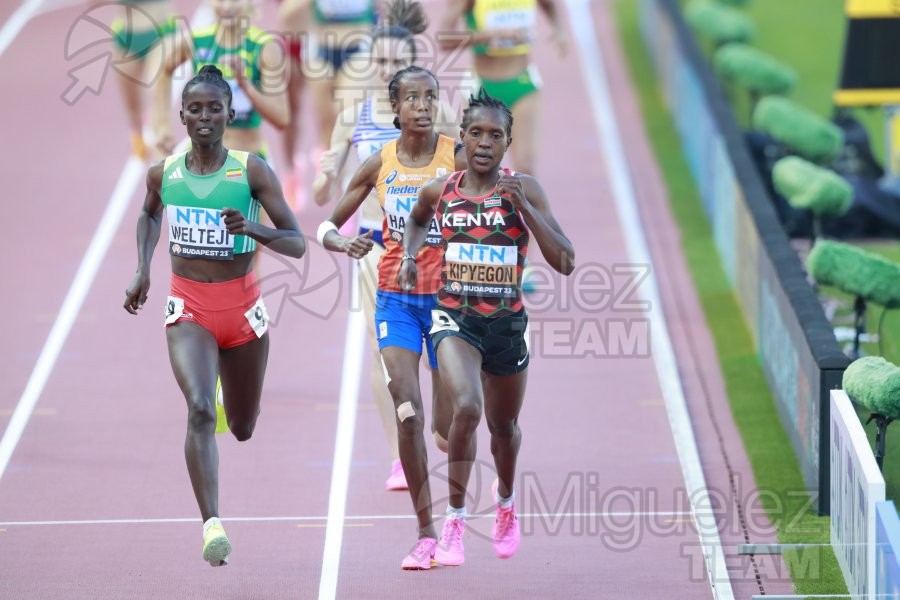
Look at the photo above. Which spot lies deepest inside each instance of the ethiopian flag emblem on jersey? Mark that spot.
(234, 173)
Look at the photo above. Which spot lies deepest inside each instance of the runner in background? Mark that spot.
(403, 315)
(253, 64)
(359, 132)
(500, 34)
(137, 34)
(340, 29)
(294, 22)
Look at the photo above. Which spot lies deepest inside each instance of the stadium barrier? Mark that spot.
(887, 550)
(796, 345)
(856, 489)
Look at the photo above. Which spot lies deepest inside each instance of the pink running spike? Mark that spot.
(421, 557)
(505, 532)
(397, 479)
(450, 551)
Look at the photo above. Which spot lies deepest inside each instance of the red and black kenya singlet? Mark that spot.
(485, 243)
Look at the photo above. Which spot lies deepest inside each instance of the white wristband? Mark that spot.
(324, 228)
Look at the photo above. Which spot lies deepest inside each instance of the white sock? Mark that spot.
(506, 503)
(456, 513)
(210, 522)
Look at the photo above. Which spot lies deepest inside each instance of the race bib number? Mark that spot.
(441, 321)
(240, 102)
(365, 149)
(174, 309)
(482, 270)
(258, 318)
(198, 233)
(400, 195)
(522, 18)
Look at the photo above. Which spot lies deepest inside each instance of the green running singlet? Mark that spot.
(194, 206)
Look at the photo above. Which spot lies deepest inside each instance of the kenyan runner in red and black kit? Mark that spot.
(478, 327)
(480, 298)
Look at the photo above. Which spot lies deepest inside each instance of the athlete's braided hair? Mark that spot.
(402, 20)
(483, 100)
(397, 79)
(212, 75)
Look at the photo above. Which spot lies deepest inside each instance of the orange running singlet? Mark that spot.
(398, 187)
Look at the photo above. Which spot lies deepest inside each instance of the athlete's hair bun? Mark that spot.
(407, 14)
(209, 74)
(210, 70)
(402, 19)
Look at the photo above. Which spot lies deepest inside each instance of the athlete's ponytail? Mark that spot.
(212, 75)
(402, 20)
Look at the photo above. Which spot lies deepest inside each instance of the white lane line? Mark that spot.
(661, 344)
(354, 348)
(17, 22)
(71, 305)
(276, 519)
(56, 5)
(131, 176)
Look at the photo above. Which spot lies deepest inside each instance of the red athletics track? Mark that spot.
(599, 473)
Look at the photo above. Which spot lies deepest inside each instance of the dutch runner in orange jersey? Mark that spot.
(485, 215)
(358, 133)
(403, 314)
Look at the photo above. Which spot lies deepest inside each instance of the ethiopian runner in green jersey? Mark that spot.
(216, 322)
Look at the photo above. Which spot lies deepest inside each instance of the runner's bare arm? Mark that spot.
(334, 159)
(421, 214)
(417, 229)
(289, 10)
(359, 187)
(450, 38)
(164, 59)
(270, 98)
(530, 199)
(548, 7)
(286, 238)
(149, 225)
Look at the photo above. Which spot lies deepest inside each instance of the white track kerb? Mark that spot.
(661, 344)
(354, 349)
(17, 22)
(132, 175)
